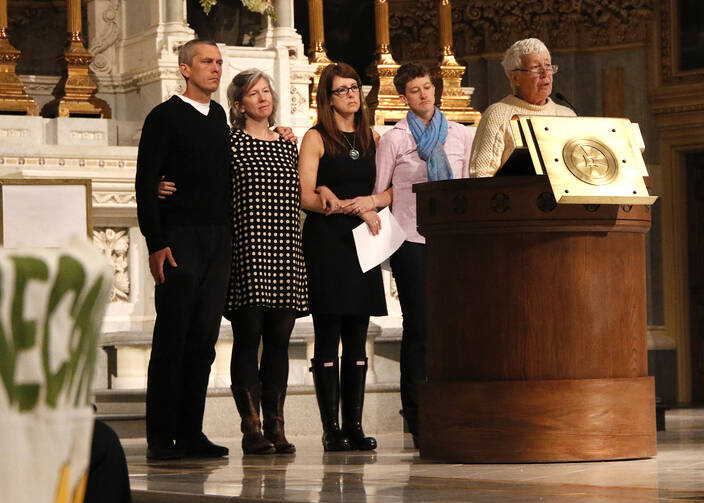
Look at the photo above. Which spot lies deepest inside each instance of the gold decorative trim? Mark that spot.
(317, 56)
(75, 93)
(383, 99)
(65, 162)
(590, 161)
(12, 92)
(454, 98)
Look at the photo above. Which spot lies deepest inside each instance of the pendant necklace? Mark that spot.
(353, 153)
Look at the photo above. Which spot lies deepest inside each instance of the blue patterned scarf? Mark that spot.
(430, 142)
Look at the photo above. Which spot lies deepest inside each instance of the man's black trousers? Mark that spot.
(189, 307)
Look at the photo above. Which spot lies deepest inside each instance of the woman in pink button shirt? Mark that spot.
(424, 146)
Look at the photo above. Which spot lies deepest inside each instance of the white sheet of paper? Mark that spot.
(373, 250)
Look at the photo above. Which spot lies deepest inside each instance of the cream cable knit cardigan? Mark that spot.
(493, 142)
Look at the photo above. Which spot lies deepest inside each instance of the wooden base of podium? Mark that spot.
(538, 421)
(536, 343)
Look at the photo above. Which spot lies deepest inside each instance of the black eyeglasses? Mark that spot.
(539, 70)
(343, 91)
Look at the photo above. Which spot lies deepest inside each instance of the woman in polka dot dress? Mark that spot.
(268, 288)
(268, 285)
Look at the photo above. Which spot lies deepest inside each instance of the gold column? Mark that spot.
(316, 55)
(445, 17)
(75, 93)
(383, 100)
(12, 96)
(455, 102)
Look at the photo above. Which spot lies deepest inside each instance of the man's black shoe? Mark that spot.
(163, 452)
(201, 447)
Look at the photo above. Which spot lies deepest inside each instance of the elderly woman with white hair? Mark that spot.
(530, 72)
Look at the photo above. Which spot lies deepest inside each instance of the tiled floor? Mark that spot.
(394, 473)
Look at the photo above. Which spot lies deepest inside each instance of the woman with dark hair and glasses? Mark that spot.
(529, 69)
(336, 165)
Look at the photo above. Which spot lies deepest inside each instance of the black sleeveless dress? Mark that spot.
(336, 284)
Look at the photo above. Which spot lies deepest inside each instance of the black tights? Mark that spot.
(330, 328)
(272, 326)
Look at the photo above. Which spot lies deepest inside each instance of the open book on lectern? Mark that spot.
(588, 160)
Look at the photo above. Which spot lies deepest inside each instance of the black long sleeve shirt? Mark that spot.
(190, 149)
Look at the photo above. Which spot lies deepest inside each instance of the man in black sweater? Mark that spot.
(190, 247)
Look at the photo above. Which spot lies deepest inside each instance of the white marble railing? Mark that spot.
(78, 148)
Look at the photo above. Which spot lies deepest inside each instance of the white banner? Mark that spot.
(52, 302)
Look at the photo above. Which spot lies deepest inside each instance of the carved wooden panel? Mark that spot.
(488, 26)
(613, 96)
(668, 43)
(677, 99)
(695, 240)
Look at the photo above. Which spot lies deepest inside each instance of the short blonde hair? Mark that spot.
(241, 83)
(513, 57)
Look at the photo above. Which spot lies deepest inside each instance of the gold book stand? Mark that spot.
(588, 160)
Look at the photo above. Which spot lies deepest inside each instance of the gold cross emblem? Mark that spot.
(590, 161)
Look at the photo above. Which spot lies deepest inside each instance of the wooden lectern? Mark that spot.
(536, 345)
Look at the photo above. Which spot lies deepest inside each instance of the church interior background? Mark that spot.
(76, 112)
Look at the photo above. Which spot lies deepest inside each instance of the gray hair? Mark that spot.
(188, 50)
(240, 85)
(513, 57)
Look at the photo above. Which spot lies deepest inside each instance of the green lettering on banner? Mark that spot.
(85, 323)
(24, 331)
(70, 277)
(7, 358)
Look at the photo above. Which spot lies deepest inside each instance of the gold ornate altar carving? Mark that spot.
(455, 101)
(75, 92)
(383, 100)
(385, 106)
(482, 27)
(317, 56)
(13, 99)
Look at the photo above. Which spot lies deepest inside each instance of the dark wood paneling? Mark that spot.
(695, 242)
(613, 94)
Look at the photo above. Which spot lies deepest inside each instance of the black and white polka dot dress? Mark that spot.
(268, 269)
